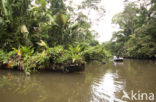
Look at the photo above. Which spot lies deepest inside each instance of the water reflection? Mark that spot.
(16, 87)
(117, 63)
(99, 83)
(104, 90)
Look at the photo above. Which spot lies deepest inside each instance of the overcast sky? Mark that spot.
(104, 26)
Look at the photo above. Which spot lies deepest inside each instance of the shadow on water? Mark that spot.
(98, 83)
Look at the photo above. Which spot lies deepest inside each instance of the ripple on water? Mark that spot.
(104, 90)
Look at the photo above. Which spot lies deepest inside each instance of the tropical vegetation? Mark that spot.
(46, 34)
(137, 35)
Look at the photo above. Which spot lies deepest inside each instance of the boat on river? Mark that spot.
(118, 59)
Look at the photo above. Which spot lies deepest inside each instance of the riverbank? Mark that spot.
(153, 58)
(59, 58)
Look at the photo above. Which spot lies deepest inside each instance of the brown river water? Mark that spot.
(130, 81)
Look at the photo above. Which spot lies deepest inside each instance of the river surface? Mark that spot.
(111, 82)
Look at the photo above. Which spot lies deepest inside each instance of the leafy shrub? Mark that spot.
(96, 53)
(54, 58)
(6, 57)
(76, 52)
(2, 56)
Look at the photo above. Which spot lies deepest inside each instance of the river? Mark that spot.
(111, 82)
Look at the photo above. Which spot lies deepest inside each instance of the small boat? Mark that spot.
(120, 59)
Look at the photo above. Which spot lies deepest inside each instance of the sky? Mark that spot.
(104, 25)
(105, 28)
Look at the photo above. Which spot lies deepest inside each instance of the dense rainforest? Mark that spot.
(137, 35)
(36, 34)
